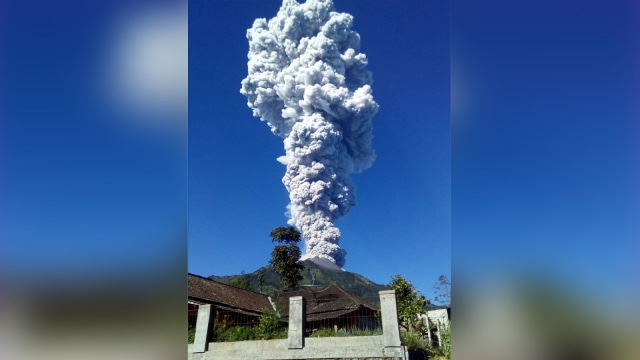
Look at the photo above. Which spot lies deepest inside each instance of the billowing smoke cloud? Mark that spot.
(307, 80)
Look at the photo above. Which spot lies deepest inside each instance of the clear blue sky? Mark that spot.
(545, 147)
(402, 222)
(88, 187)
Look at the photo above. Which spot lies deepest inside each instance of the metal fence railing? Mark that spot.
(323, 319)
(327, 319)
(237, 325)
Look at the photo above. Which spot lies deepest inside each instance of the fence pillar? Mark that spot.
(202, 328)
(389, 312)
(296, 322)
(426, 318)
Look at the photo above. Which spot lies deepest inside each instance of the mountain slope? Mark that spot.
(315, 274)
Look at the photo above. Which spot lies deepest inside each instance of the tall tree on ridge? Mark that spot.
(285, 258)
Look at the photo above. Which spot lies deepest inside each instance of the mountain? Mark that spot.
(315, 273)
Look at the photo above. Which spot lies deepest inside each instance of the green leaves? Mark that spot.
(241, 281)
(411, 303)
(285, 234)
(285, 259)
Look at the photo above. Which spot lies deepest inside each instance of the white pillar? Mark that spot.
(296, 322)
(426, 318)
(389, 310)
(202, 329)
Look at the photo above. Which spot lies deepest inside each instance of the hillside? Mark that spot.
(352, 282)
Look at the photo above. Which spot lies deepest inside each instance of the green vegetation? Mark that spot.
(345, 332)
(285, 258)
(235, 333)
(260, 281)
(269, 327)
(241, 281)
(414, 331)
(243, 333)
(411, 303)
(445, 351)
(354, 283)
(413, 341)
(192, 335)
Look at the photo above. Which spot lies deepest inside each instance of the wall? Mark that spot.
(296, 346)
(357, 347)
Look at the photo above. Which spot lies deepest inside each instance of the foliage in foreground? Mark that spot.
(413, 341)
(446, 343)
(411, 303)
(242, 333)
(419, 347)
(345, 332)
(269, 327)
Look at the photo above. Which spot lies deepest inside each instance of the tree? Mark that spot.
(443, 290)
(260, 281)
(241, 281)
(285, 258)
(411, 303)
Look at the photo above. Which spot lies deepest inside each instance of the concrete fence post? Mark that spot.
(389, 310)
(202, 328)
(426, 318)
(439, 333)
(296, 322)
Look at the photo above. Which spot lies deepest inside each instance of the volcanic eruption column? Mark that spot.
(307, 80)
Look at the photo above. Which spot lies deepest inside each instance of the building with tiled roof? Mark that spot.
(233, 306)
(326, 306)
(204, 290)
(333, 307)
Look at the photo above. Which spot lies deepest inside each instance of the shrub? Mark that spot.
(413, 341)
(327, 332)
(323, 333)
(445, 349)
(236, 333)
(269, 326)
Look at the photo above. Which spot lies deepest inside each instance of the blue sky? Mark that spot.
(88, 186)
(402, 222)
(545, 144)
(545, 155)
(544, 147)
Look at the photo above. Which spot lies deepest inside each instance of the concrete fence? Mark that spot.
(296, 346)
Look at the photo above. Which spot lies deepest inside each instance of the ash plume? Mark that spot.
(308, 81)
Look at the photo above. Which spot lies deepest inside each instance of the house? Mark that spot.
(332, 307)
(441, 318)
(233, 306)
(327, 307)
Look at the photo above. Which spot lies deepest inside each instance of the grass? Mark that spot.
(345, 332)
(420, 349)
(243, 333)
